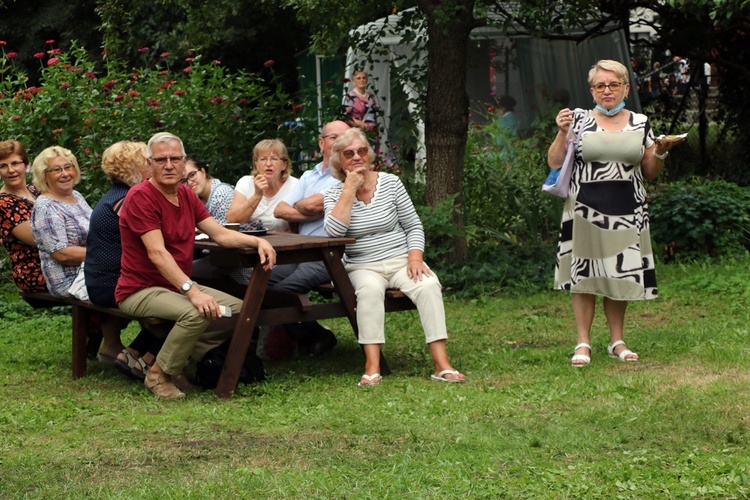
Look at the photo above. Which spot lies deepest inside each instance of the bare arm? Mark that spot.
(306, 209)
(23, 233)
(165, 263)
(651, 166)
(242, 208)
(70, 256)
(234, 239)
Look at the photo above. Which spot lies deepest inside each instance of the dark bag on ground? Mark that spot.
(209, 368)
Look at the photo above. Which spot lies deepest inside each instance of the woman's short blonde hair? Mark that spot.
(125, 162)
(341, 142)
(41, 164)
(609, 65)
(275, 147)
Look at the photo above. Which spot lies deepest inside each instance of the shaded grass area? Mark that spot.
(526, 425)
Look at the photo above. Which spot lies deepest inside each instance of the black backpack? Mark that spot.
(209, 368)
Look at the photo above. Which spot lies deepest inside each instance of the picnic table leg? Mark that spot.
(80, 319)
(243, 332)
(332, 257)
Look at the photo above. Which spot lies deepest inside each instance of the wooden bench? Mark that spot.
(82, 313)
(85, 345)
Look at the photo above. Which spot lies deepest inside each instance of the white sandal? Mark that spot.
(580, 357)
(375, 378)
(623, 354)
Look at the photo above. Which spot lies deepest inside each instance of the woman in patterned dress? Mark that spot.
(605, 242)
(16, 203)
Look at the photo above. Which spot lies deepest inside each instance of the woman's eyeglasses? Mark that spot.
(13, 164)
(614, 87)
(349, 153)
(189, 178)
(59, 170)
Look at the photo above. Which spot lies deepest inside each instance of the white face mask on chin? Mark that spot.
(610, 112)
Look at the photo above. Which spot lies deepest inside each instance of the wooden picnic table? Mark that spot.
(290, 248)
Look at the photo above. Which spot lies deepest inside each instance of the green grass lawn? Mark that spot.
(525, 425)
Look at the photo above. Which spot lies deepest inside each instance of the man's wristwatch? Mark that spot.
(661, 156)
(186, 286)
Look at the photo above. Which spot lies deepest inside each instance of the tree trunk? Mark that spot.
(449, 23)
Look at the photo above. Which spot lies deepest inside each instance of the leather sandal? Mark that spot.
(581, 357)
(162, 387)
(623, 354)
(133, 368)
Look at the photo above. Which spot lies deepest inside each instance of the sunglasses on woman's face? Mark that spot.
(349, 153)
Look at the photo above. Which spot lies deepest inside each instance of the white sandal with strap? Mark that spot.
(581, 357)
(374, 380)
(623, 354)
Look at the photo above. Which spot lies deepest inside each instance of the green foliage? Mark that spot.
(696, 218)
(218, 114)
(511, 226)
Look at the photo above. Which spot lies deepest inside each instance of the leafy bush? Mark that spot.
(219, 115)
(694, 218)
(511, 226)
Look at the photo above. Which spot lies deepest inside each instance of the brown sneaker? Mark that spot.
(162, 387)
(184, 384)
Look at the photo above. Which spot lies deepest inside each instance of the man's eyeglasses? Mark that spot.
(189, 178)
(59, 170)
(614, 87)
(162, 160)
(13, 164)
(349, 153)
(272, 159)
(333, 137)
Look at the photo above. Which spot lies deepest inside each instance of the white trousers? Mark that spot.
(370, 281)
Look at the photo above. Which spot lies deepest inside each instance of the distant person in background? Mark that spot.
(506, 117)
(508, 124)
(361, 107)
(360, 104)
(16, 203)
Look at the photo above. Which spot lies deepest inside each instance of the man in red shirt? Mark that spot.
(157, 225)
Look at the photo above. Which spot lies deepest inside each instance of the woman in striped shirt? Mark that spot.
(374, 208)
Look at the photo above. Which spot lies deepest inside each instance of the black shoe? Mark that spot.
(325, 341)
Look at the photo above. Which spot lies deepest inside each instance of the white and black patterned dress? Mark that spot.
(605, 240)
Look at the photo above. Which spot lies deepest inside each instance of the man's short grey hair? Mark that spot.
(163, 137)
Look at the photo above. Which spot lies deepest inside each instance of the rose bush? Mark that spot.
(86, 105)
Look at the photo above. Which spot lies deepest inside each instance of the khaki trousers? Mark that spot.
(188, 338)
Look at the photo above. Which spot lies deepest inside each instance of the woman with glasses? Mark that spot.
(605, 240)
(268, 183)
(16, 203)
(374, 208)
(60, 220)
(216, 195)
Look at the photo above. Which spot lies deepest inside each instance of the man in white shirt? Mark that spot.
(304, 205)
